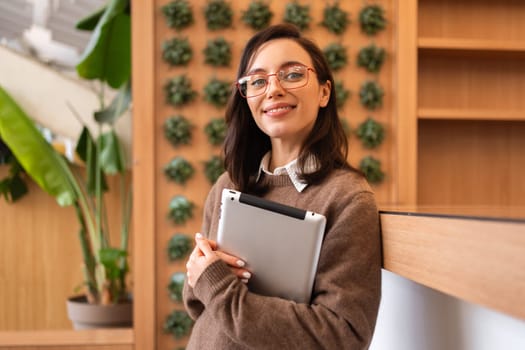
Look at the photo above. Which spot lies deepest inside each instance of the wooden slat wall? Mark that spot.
(144, 163)
(40, 259)
(405, 102)
(199, 113)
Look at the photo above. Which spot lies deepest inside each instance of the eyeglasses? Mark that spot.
(291, 77)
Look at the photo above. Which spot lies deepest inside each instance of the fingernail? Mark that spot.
(240, 263)
(198, 235)
(244, 281)
(246, 275)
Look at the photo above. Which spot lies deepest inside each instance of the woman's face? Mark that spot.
(286, 116)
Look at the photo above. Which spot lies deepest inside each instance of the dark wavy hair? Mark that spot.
(245, 144)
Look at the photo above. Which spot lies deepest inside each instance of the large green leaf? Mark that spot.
(87, 151)
(110, 258)
(107, 56)
(47, 168)
(111, 153)
(89, 22)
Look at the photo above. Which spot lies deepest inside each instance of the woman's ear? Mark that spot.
(325, 93)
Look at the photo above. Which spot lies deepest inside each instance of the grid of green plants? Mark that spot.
(179, 130)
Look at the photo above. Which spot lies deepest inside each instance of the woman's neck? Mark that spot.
(281, 156)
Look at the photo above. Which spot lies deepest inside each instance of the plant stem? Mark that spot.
(87, 254)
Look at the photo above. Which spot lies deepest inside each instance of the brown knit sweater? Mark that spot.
(345, 300)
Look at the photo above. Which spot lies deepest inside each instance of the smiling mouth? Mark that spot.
(279, 109)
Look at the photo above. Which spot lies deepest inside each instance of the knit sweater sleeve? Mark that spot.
(192, 304)
(345, 300)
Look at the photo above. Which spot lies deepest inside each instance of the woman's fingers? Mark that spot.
(230, 259)
(204, 245)
(236, 265)
(204, 253)
(201, 257)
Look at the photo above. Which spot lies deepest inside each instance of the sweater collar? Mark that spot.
(291, 169)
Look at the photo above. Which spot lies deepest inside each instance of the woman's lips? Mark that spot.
(278, 110)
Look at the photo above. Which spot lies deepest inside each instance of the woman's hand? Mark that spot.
(205, 253)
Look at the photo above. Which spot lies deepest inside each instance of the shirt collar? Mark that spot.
(291, 169)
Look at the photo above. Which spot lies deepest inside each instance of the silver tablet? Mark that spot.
(279, 243)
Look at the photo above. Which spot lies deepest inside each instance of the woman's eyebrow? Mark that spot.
(285, 64)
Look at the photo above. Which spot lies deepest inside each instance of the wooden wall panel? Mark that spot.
(458, 81)
(404, 129)
(199, 113)
(473, 19)
(40, 260)
(471, 163)
(144, 132)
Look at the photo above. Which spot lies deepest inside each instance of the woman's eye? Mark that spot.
(293, 76)
(258, 82)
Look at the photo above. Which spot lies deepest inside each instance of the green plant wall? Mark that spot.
(191, 112)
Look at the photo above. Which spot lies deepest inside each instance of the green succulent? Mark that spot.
(179, 170)
(258, 15)
(297, 15)
(178, 14)
(341, 93)
(179, 246)
(335, 19)
(217, 92)
(371, 133)
(180, 209)
(371, 57)
(372, 19)
(336, 56)
(371, 95)
(218, 14)
(178, 91)
(216, 131)
(371, 167)
(217, 53)
(213, 168)
(176, 285)
(177, 51)
(177, 130)
(178, 323)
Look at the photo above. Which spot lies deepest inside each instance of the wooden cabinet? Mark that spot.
(470, 109)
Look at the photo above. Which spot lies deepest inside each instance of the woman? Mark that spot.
(285, 143)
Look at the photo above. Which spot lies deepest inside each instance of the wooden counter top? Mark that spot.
(475, 254)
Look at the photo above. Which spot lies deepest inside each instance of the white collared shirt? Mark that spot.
(291, 169)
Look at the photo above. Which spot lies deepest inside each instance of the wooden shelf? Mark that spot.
(510, 46)
(59, 338)
(459, 256)
(471, 114)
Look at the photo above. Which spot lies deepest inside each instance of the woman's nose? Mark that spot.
(274, 87)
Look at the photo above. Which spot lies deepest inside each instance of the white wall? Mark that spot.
(413, 317)
(44, 94)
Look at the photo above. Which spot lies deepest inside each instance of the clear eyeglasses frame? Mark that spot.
(290, 77)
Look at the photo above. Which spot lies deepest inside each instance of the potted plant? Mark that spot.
(107, 59)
